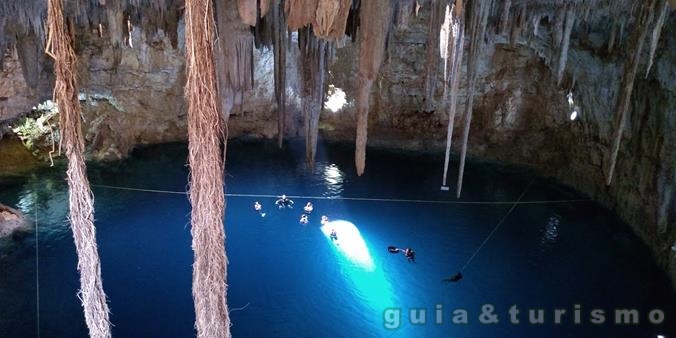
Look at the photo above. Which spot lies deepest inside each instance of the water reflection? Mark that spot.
(550, 233)
(49, 195)
(334, 179)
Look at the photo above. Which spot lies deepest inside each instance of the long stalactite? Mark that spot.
(565, 43)
(279, 43)
(81, 201)
(453, 32)
(314, 53)
(206, 194)
(374, 20)
(234, 56)
(663, 7)
(432, 52)
(636, 42)
(478, 17)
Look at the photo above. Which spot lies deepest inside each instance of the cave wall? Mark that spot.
(521, 115)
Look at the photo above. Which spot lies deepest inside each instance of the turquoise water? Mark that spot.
(292, 280)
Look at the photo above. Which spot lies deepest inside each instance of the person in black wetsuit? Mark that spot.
(334, 235)
(284, 202)
(410, 255)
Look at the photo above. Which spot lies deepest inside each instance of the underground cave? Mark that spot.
(338, 168)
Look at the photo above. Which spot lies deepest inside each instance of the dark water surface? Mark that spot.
(293, 281)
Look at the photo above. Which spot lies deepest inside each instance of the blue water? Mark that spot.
(292, 280)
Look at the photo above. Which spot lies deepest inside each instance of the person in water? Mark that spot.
(324, 220)
(259, 208)
(454, 278)
(284, 202)
(303, 219)
(333, 235)
(410, 255)
(308, 208)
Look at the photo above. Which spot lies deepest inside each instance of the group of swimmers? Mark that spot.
(285, 202)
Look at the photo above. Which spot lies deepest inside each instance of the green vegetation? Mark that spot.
(39, 130)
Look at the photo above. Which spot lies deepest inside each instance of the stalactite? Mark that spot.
(432, 58)
(266, 6)
(28, 50)
(374, 22)
(636, 42)
(234, 56)
(115, 20)
(611, 39)
(663, 8)
(403, 10)
(557, 30)
(504, 17)
(248, 11)
(300, 13)
(454, 34)
(477, 28)
(206, 173)
(353, 20)
(313, 56)
(279, 42)
(331, 18)
(536, 24)
(3, 49)
(171, 19)
(565, 43)
(517, 27)
(81, 201)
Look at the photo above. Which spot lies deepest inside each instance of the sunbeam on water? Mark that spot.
(373, 286)
(350, 243)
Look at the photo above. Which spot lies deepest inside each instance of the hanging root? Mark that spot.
(374, 22)
(81, 201)
(206, 174)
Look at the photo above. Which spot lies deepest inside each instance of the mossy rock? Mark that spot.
(16, 159)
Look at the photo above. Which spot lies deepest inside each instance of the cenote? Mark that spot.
(556, 249)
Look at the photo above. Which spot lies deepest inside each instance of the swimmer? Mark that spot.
(308, 208)
(333, 235)
(324, 220)
(303, 219)
(454, 278)
(284, 202)
(410, 255)
(259, 208)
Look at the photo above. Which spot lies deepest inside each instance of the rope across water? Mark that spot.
(340, 198)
